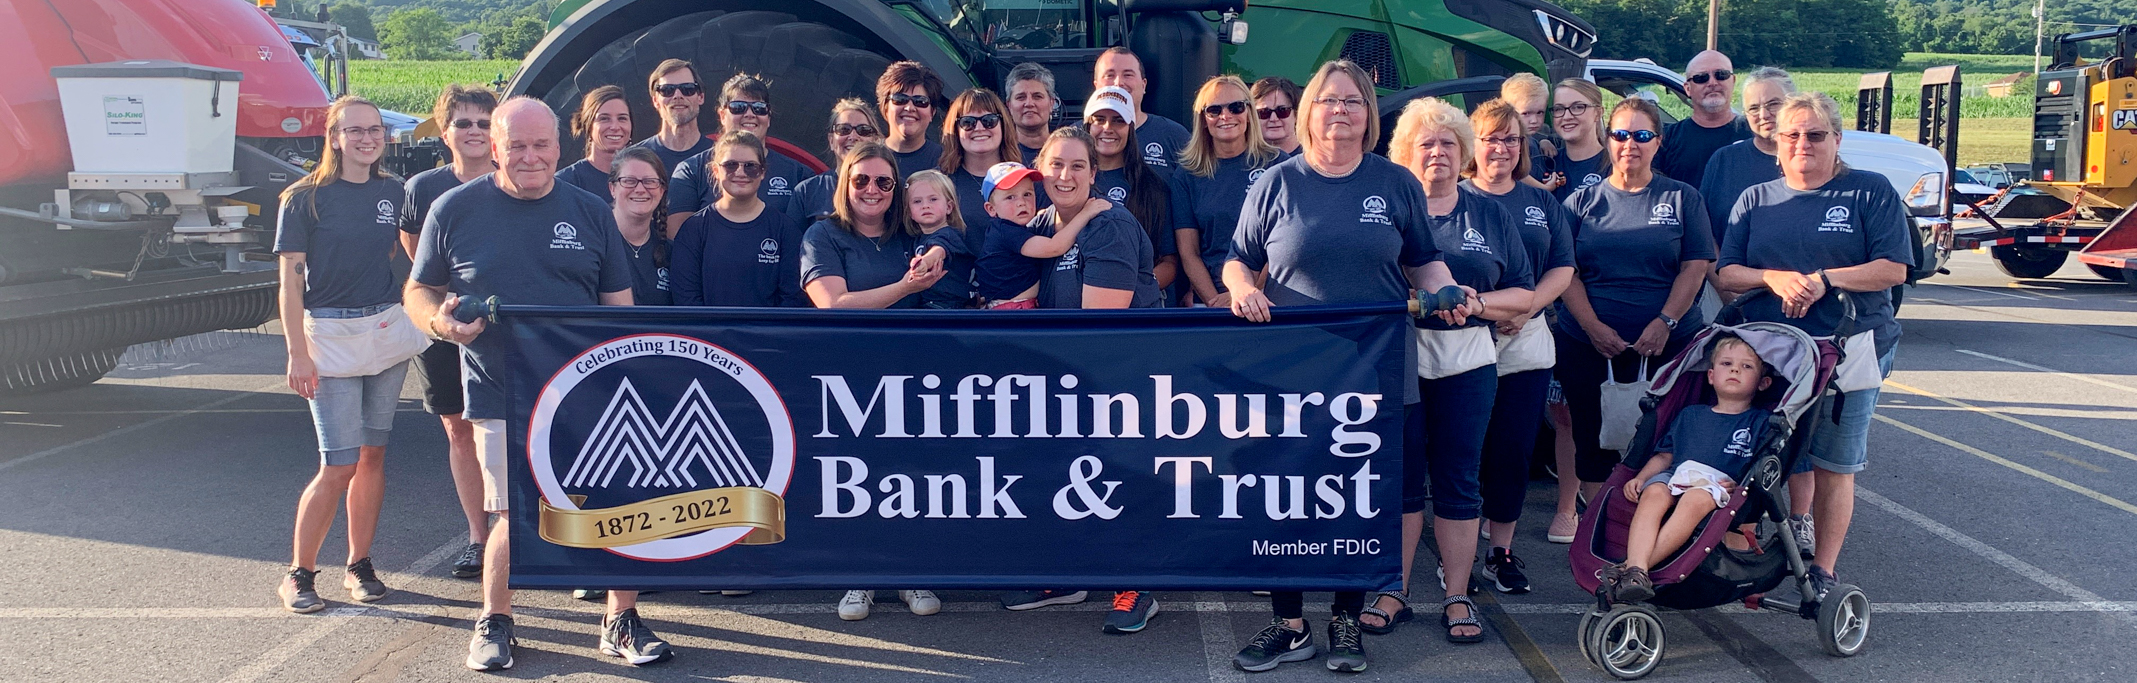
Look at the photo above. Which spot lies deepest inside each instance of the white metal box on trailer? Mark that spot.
(150, 116)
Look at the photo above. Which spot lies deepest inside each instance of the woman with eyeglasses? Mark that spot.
(640, 189)
(1126, 178)
(1336, 224)
(975, 137)
(852, 123)
(604, 122)
(910, 94)
(1576, 117)
(1525, 351)
(1276, 99)
(1642, 249)
(861, 255)
(1823, 227)
(1224, 155)
(745, 105)
(739, 251)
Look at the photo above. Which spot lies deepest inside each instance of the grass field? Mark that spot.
(412, 87)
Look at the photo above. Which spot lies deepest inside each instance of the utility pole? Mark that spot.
(2040, 24)
(1714, 25)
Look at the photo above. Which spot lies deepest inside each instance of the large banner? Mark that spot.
(684, 448)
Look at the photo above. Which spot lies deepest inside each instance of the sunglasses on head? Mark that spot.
(883, 183)
(1233, 108)
(987, 121)
(1717, 74)
(1642, 136)
(914, 101)
(742, 169)
(740, 107)
(1281, 112)
(683, 89)
(463, 124)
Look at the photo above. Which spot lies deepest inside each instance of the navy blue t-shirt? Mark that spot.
(650, 285)
(1542, 165)
(1579, 173)
(690, 184)
(1481, 244)
(346, 232)
(423, 190)
(1730, 171)
(1030, 154)
(1113, 186)
(1111, 252)
(955, 289)
(669, 159)
(1686, 146)
(1004, 271)
(1854, 219)
(560, 250)
(925, 158)
(582, 174)
(1162, 140)
(971, 206)
(1630, 246)
(1322, 240)
(812, 198)
(718, 262)
(1546, 228)
(828, 250)
(1718, 440)
(1210, 207)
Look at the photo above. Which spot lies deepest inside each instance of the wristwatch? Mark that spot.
(1827, 280)
(1667, 321)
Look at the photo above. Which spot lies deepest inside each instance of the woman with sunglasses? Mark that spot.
(1525, 351)
(852, 123)
(745, 105)
(910, 94)
(1642, 249)
(1224, 155)
(975, 137)
(1576, 117)
(739, 251)
(1276, 99)
(861, 255)
(1126, 178)
(604, 122)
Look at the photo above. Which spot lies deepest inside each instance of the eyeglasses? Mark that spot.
(635, 182)
(987, 121)
(883, 183)
(1233, 108)
(364, 132)
(1812, 136)
(1641, 136)
(1575, 109)
(1281, 112)
(463, 124)
(1717, 74)
(1345, 103)
(683, 89)
(861, 129)
(740, 107)
(1501, 140)
(742, 169)
(914, 101)
(1767, 107)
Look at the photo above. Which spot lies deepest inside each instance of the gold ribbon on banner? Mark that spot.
(668, 517)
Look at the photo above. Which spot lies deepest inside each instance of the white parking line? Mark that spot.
(2052, 371)
(1990, 553)
(1214, 617)
(267, 662)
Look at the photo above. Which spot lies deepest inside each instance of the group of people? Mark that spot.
(1581, 245)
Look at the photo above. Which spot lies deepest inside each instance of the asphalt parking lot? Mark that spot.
(144, 522)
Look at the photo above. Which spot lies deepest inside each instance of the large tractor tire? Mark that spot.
(810, 66)
(2028, 263)
(54, 374)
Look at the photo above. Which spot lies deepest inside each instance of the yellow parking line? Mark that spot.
(2095, 445)
(1991, 457)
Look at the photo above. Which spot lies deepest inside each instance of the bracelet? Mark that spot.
(1826, 279)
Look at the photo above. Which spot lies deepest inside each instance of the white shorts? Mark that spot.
(490, 450)
(1694, 475)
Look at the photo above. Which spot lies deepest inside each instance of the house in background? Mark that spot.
(470, 43)
(365, 49)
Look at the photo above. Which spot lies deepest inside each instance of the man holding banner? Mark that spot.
(516, 233)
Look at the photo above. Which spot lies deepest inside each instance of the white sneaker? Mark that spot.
(922, 603)
(854, 607)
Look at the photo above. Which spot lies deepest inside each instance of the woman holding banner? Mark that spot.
(1302, 240)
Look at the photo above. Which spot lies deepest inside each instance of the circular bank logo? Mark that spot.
(564, 231)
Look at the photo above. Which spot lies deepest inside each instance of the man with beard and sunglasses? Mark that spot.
(679, 98)
(1686, 144)
(745, 105)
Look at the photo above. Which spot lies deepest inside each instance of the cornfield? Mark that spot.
(411, 87)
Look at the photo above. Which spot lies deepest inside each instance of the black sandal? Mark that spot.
(1388, 621)
(1450, 622)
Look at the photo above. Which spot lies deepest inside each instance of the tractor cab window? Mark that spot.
(1027, 24)
(1672, 101)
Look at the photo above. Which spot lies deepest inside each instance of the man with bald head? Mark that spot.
(1711, 81)
(518, 235)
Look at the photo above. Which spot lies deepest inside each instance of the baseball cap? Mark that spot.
(1118, 102)
(1005, 174)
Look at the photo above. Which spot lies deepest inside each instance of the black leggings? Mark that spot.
(1292, 604)
(1516, 415)
(1581, 374)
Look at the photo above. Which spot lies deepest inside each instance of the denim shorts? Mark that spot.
(352, 412)
(1842, 446)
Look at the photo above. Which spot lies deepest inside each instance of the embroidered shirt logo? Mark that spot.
(1535, 215)
(777, 186)
(567, 237)
(768, 251)
(1117, 194)
(1376, 211)
(386, 213)
(1474, 241)
(1836, 220)
(1154, 153)
(1662, 214)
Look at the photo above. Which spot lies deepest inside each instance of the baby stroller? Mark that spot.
(1627, 640)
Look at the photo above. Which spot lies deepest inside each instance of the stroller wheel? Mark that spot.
(1843, 620)
(1628, 642)
(1588, 620)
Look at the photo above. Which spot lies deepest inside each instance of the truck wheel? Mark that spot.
(2108, 274)
(810, 66)
(54, 374)
(2028, 263)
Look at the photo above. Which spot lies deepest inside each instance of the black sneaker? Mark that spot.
(1504, 571)
(491, 648)
(362, 582)
(1024, 600)
(1275, 644)
(1821, 583)
(297, 592)
(626, 636)
(1346, 644)
(469, 564)
(1132, 611)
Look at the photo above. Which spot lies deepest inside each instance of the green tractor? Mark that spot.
(817, 51)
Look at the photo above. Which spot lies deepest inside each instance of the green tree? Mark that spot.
(356, 18)
(419, 34)
(515, 40)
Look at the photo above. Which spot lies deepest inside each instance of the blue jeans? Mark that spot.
(1842, 445)
(352, 412)
(1445, 443)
